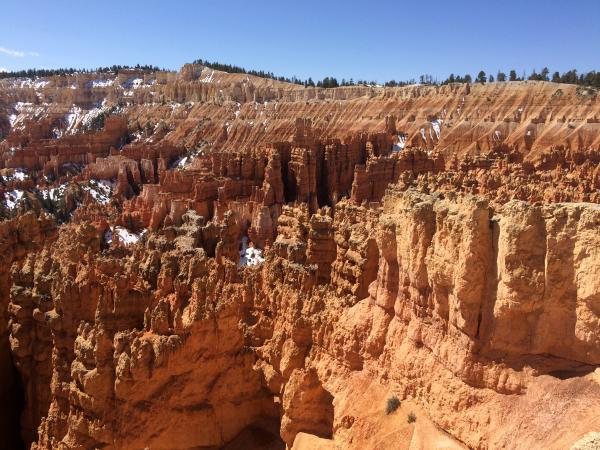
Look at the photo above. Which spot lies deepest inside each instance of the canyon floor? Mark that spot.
(203, 260)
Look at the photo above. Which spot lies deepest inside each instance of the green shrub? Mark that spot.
(392, 405)
(412, 418)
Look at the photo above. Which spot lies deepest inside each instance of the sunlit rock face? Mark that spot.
(211, 260)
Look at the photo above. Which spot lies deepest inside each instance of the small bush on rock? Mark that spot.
(392, 405)
(412, 418)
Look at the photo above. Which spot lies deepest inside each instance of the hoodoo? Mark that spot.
(202, 260)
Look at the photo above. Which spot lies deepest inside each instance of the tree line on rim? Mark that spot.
(591, 78)
(34, 73)
(587, 79)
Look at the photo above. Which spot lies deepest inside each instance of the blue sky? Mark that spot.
(374, 40)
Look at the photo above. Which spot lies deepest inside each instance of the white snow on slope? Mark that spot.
(12, 198)
(25, 111)
(54, 193)
(18, 174)
(208, 78)
(436, 124)
(127, 237)
(133, 83)
(186, 160)
(77, 117)
(99, 83)
(100, 190)
(27, 83)
(250, 256)
(401, 143)
(123, 235)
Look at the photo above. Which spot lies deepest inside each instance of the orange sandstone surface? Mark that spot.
(203, 260)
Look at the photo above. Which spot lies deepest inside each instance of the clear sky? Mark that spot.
(373, 40)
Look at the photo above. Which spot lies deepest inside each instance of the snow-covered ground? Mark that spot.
(12, 198)
(436, 125)
(100, 190)
(250, 256)
(208, 78)
(186, 160)
(401, 143)
(25, 111)
(29, 83)
(123, 235)
(54, 194)
(18, 174)
(99, 83)
(77, 117)
(133, 83)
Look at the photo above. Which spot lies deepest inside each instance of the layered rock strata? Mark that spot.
(208, 260)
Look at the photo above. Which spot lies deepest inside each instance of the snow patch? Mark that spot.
(18, 174)
(401, 143)
(99, 83)
(133, 83)
(12, 198)
(186, 160)
(25, 111)
(71, 118)
(208, 78)
(100, 190)
(436, 124)
(123, 235)
(77, 117)
(54, 194)
(28, 83)
(127, 237)
(250, 256)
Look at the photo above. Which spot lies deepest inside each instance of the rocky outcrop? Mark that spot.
(222, 260)
(432, 305)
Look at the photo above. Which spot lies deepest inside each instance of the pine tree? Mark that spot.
(501, 76)
(513, 75)
(534, 76)
(481, 78)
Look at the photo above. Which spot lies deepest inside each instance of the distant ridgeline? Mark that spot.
(591, 78)
(586, 79)
(34, 73)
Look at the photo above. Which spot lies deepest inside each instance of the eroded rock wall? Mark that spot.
(209, 260)
(169, 348)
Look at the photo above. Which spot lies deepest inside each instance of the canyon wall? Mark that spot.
(210, 260)
(474, 316)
